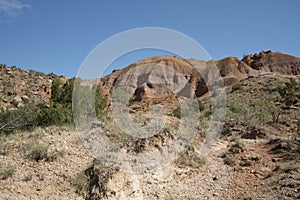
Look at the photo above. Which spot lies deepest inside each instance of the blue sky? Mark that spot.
(56, 36)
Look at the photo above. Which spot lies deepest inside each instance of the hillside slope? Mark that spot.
(20, 87)
(256, 156)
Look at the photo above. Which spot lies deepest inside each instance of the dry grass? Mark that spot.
(6, 171)
(191, 161)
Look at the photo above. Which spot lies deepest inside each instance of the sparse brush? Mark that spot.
(290, 92)
(236, 87)
(191, 161)
(38, 152)
(6, 172)
(237, 145)
(245, 163)
(80, 181)
(229, 159)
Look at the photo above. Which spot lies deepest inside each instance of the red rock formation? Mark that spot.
(158, 77)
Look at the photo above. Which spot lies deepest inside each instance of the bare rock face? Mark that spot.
(156, 78)
(268, 61)
(151, 91)
(160, 77)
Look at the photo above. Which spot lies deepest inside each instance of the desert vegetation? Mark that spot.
(256, 156)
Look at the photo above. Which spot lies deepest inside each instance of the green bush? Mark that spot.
(62, 92)
(56, 115)
(290, 92)
(176, 112)
(56, 90)
(201, 106)
(31, 116)
(236, 87)
(260, 112)
(132, 99)
(60, 110)
(24, 118)
(100, 102)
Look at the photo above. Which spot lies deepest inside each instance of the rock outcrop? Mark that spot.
(267, 61)
(20, 87)
(165, 77)
(159, 78)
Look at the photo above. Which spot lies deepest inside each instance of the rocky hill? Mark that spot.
(256, 156)
(19, 87)
(158, 78)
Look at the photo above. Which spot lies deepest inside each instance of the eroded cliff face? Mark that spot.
(166, 77)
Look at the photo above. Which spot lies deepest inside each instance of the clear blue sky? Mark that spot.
(56, 36)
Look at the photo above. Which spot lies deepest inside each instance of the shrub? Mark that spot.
(226, 130)
(239, 112)
(60, 110)
(236, 87)
(290, 92)
(80, 181)
(24, 118)
(82, 108)
(265, 111)
(38, 152)
(100, 102)
(192, 161)
(245, 163)
(176, 112)
(229, 159)
(56, 90)
(55, 115)
(6, 171)
(92, 182)
(237, 146)
(201, 106)
(260, 113)
(31, 116)
(132, 99)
